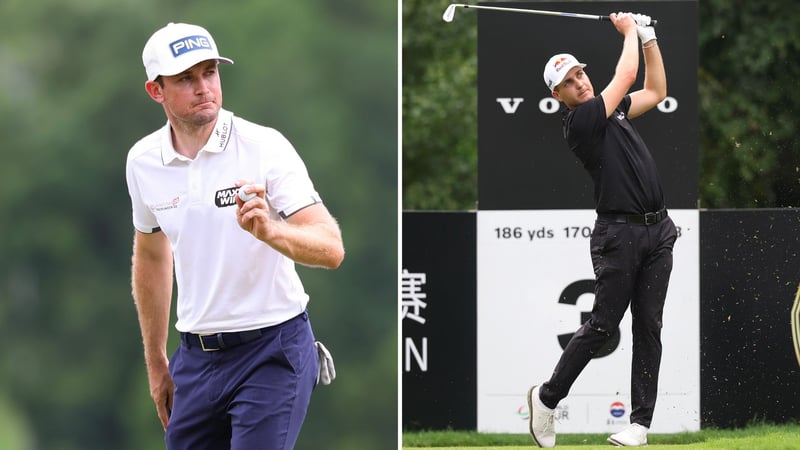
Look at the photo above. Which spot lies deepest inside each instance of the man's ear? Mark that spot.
(155, 91)
(556, 96)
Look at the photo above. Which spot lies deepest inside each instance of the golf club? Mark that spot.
(450, 12)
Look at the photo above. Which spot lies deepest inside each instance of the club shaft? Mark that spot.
(537, 11)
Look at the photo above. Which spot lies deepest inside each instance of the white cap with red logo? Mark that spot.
(557, 68)
(177, 47)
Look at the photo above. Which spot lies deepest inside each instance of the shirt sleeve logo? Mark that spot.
(163, 206)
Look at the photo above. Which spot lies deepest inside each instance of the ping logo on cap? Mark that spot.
(188, 44)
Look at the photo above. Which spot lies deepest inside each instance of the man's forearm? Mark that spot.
(655, 78)
(628, 64)
(315, 245)
(151, 280)
(310, 236)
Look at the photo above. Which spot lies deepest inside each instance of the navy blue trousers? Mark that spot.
(632, 265)
(251, 396)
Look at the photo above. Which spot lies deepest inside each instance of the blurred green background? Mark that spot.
(72, 103)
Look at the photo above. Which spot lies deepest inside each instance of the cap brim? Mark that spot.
(191, 64)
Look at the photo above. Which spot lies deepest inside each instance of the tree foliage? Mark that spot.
(439, 109)
(748, 106)
(73, 103)
(749, 101)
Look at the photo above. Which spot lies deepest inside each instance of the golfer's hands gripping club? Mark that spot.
(644, 27)
(623, 22)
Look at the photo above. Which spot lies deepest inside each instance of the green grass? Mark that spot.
(762, 436)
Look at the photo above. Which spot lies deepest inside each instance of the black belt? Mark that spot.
(650, 218)
(220, 341)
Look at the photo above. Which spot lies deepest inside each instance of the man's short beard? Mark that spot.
(200, 120)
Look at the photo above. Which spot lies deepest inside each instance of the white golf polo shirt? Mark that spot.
(227, 279)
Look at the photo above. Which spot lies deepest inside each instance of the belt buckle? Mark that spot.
(203, 344)
(650, 218)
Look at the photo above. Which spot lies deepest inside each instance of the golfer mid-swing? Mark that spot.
(633, 237)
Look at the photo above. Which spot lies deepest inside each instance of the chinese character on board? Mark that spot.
(412, 296)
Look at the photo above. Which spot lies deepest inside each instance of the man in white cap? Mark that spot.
(229, 206)
(633, 237)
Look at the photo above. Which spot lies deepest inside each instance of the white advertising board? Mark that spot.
(526, 259)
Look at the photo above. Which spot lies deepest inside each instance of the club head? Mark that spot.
(449, 13)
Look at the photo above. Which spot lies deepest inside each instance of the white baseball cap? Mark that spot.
(557, 68)
(177, 47)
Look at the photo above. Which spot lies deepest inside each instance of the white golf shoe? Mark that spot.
(634, 435)
(540, 420)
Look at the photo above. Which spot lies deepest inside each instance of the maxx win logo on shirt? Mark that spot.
(226, 197)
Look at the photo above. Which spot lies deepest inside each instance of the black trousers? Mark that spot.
(632, 265)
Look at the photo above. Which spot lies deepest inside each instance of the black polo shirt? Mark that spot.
(624, 172)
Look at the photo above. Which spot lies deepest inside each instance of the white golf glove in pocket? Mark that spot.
(327, 372)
